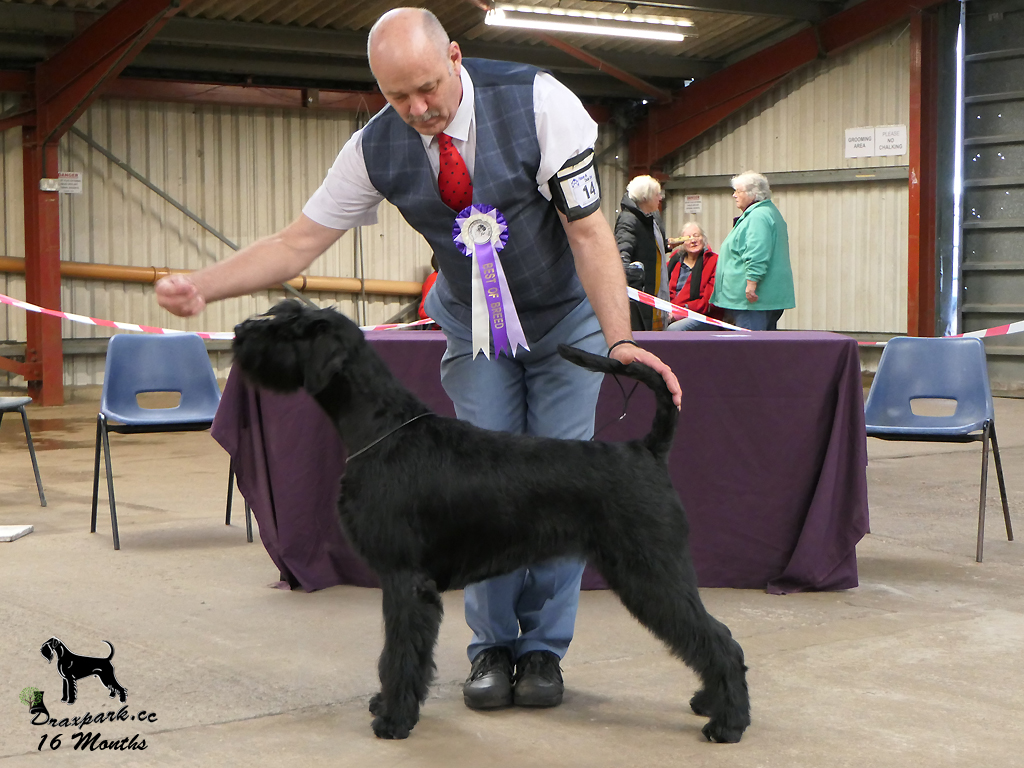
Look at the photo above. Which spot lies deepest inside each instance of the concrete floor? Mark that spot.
(919, 666)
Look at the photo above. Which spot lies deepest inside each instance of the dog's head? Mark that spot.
(51, 648)
(294, 345)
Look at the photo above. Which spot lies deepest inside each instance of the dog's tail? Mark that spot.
(111, 650)
(659, 440)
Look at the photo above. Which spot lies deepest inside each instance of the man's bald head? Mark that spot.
(417, 68)
(404, 28)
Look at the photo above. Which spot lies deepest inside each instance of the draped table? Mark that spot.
(769, 459)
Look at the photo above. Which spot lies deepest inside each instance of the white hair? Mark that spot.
(703, 234)
(754, 184)
(643, 188)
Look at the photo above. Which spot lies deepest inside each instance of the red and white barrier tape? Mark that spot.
(999, 330)
(665, 306)
(150, 329)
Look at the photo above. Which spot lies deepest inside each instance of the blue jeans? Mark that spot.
(754, 319)
(537, 393)
(693, 324)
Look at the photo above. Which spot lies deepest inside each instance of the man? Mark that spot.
(490, 133)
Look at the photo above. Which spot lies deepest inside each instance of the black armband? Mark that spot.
(576, 188)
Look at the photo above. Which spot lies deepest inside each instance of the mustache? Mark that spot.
(425, 117)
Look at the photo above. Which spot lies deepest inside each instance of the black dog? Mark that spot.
(434, 503)
(73, 668)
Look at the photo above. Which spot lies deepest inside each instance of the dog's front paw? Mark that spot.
(719, 733)
(377, 704)
(701, 703)
(386, 728)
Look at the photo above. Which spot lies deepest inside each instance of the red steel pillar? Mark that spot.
(922, 139)
(44, 351)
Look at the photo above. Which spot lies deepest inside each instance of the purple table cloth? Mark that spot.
(770, 457)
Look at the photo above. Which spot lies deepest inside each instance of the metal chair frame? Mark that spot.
(961, 384)
(11, 404)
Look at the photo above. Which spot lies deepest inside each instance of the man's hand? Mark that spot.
(179, 295)
(627, 353)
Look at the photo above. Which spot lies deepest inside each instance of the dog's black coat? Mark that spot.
(73, 668)
(440, 504)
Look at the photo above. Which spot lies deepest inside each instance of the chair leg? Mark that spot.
(96, 474)
(231, 488)
(110, 482)
(32, 453)
(1002, 484)
(248, 523)
(984, 489)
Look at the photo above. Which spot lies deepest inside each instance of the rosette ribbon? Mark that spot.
(480, 232)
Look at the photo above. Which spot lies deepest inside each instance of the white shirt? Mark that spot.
(347, 199)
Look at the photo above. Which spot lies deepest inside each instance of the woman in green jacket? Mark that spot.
(755, 281)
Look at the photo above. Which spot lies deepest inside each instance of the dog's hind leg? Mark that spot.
(412, 617)
(116, 691)
(663, 596)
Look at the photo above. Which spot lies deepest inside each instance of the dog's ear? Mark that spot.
(325, 360)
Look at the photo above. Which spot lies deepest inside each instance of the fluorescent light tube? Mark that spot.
(665, 28)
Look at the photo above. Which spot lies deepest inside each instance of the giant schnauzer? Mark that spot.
(72, 668)
(434, 503)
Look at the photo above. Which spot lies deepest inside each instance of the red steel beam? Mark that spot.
(44, 350)
(28, 370)
(12, 81)
(923, 148)
(670, 126)
(659, 94)
(69, 81)
(114, 30)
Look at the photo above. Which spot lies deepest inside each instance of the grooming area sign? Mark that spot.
(876, 141)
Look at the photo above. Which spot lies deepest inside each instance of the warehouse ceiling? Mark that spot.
(322, 43)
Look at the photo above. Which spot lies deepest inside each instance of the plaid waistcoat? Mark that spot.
(537, 260)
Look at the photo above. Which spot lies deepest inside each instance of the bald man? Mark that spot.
(527, 146)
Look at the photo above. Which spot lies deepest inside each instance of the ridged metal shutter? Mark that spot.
(992, 221)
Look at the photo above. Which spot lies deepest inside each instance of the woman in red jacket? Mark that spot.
(692, 279)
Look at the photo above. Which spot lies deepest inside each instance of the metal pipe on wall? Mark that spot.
(150, 275)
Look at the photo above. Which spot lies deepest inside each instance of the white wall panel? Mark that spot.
(848, 242)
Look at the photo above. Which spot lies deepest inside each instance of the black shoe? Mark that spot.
(489, 685)
(538, 680)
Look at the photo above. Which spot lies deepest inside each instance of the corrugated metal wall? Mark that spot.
(247, 172)
(848, 242)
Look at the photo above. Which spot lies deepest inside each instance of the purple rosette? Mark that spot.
(480, 232)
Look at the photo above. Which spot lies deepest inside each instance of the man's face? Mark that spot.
(425, 90)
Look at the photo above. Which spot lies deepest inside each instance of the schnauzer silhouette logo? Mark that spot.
(72, 667)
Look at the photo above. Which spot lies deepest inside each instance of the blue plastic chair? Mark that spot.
(950, 369)
(18, 404)
(137, 364)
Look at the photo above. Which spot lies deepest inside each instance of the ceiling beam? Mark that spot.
(801, 10)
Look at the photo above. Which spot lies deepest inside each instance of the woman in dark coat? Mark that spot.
(641, 239)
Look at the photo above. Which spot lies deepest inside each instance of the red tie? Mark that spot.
(453, 180)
